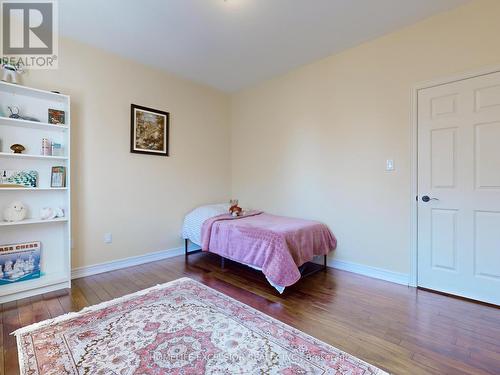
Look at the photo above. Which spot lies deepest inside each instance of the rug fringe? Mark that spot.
(20, 355)
(70, 315)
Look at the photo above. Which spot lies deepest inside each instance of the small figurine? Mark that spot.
(235, 210)
(30, 264)
(8, 271)
(14, 212)
(14, 113)
(18, 269)
(11, 72)
(17, 148)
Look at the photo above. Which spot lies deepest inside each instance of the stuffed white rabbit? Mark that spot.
(15, 211)
(48, 213)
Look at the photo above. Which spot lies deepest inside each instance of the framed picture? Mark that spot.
(149, 131)
(58, 177)
(56, 117)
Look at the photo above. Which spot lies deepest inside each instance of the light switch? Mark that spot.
(389, 165)
(108, 238)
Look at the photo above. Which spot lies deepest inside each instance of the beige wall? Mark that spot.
(313, 143)
(140, 199)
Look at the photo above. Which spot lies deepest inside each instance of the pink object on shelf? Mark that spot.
(46, 147)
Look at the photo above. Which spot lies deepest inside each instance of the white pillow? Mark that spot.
(194, 220)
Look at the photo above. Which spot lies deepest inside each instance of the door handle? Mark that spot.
(426, 199)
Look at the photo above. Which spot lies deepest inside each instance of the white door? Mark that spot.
(459, 188)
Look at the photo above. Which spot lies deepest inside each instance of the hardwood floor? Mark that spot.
(401, 330)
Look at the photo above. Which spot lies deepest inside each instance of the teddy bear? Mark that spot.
(15, 211)
(235, 210)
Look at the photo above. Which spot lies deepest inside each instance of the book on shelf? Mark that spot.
(58, 178)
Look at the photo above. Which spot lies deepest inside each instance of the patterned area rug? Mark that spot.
(182, 327)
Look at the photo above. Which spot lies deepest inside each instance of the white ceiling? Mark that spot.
(231, 44)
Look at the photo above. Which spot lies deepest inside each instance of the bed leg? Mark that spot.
(222, 261)
(186, 245)
(324, 261)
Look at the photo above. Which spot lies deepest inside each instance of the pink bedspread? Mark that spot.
(278, 245)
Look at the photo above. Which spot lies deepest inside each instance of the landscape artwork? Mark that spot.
(149, 131)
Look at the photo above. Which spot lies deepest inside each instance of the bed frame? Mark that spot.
(302, 268)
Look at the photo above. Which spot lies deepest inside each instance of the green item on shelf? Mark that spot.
(19, 178)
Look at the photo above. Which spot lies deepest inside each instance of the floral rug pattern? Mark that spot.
(182, 327)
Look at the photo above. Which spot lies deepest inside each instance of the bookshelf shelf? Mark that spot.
(7, 121)
(28, 156)
(46, 282)
(20, 189)
(32, 221)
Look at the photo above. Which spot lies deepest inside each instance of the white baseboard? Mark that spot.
(376, 273)
(126, 262)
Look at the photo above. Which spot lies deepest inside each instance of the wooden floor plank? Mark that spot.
(53, 305)
(2, 364)
(87, 292)
(40, 310)
(400, 329)
(10, 322)
(93, 283)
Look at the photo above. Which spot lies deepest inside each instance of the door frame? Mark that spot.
(413, 277)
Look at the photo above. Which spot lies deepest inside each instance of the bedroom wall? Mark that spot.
(140, 199)
(313, 143)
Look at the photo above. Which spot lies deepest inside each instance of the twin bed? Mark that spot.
(276, 245)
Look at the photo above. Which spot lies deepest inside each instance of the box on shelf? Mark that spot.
(17, 178)
(57, 149)
(19, 262)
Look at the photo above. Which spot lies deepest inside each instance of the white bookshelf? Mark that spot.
(54, 235)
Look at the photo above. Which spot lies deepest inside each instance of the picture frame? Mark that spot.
(58, 177)
(149, 131)
(56, 117)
